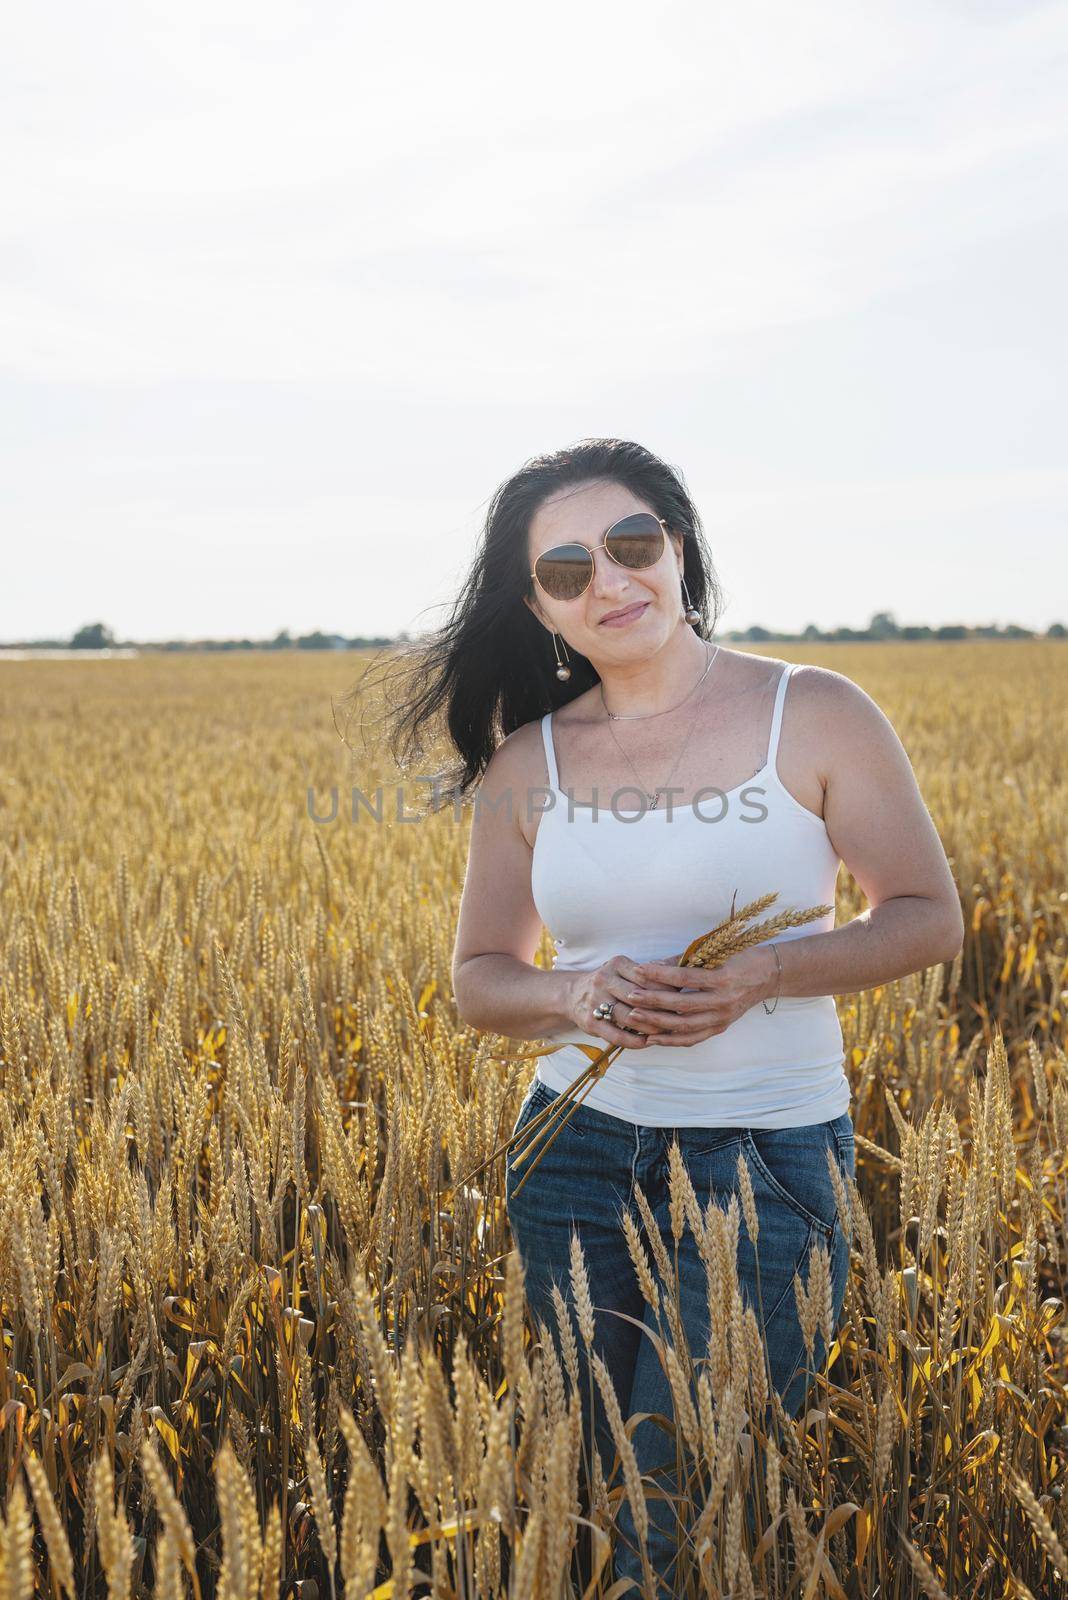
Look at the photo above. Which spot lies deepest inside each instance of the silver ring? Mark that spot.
(604, 1010)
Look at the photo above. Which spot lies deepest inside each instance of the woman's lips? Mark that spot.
(630, 615)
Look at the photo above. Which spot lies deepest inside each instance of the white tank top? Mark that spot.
(644, 884)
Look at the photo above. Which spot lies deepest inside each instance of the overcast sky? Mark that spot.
(287, 291)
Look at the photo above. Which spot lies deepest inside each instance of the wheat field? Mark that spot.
(258, 1336)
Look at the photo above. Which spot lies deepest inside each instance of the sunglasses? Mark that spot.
(635, 542)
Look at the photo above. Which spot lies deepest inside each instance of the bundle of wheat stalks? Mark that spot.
(708, 951)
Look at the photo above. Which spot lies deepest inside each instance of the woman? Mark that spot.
(646, 779)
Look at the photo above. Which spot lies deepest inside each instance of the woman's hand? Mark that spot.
(611, 981)
(688, 1004)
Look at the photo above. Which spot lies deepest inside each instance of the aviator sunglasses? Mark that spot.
(566, 570)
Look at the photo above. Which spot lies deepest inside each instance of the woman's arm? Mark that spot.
(495, 983)
(878, 823)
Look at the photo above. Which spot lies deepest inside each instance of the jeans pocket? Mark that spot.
(791, 1165)
(847, 1150)
(706, 1141)
(537, 1097)
(842, 1128)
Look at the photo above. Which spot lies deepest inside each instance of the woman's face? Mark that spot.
(583, 516)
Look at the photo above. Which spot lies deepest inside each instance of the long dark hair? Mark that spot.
(492, 667)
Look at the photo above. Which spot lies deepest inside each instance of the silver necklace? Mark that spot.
(618, 716)
(655, 796)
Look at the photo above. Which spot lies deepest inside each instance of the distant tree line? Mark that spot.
(98, 636)
(883, 626)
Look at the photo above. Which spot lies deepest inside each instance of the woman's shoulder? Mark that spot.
(809, 686)
(519, 761)
(744, 677)
(834, 719)
(515, 750)
(823, 711)
(517, 770)
(826, 690)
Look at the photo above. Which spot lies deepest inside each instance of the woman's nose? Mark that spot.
(609, 578)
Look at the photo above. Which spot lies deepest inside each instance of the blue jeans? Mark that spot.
(583, 1182)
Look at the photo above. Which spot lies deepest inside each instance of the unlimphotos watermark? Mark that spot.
(626, 804)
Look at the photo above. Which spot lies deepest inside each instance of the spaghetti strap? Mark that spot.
(776, 720)
(550, 752)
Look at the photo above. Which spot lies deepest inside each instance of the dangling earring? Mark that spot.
(691, 613)
(562, 672)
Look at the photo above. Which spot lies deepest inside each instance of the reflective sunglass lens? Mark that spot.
(564, 571)
(636, 541)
